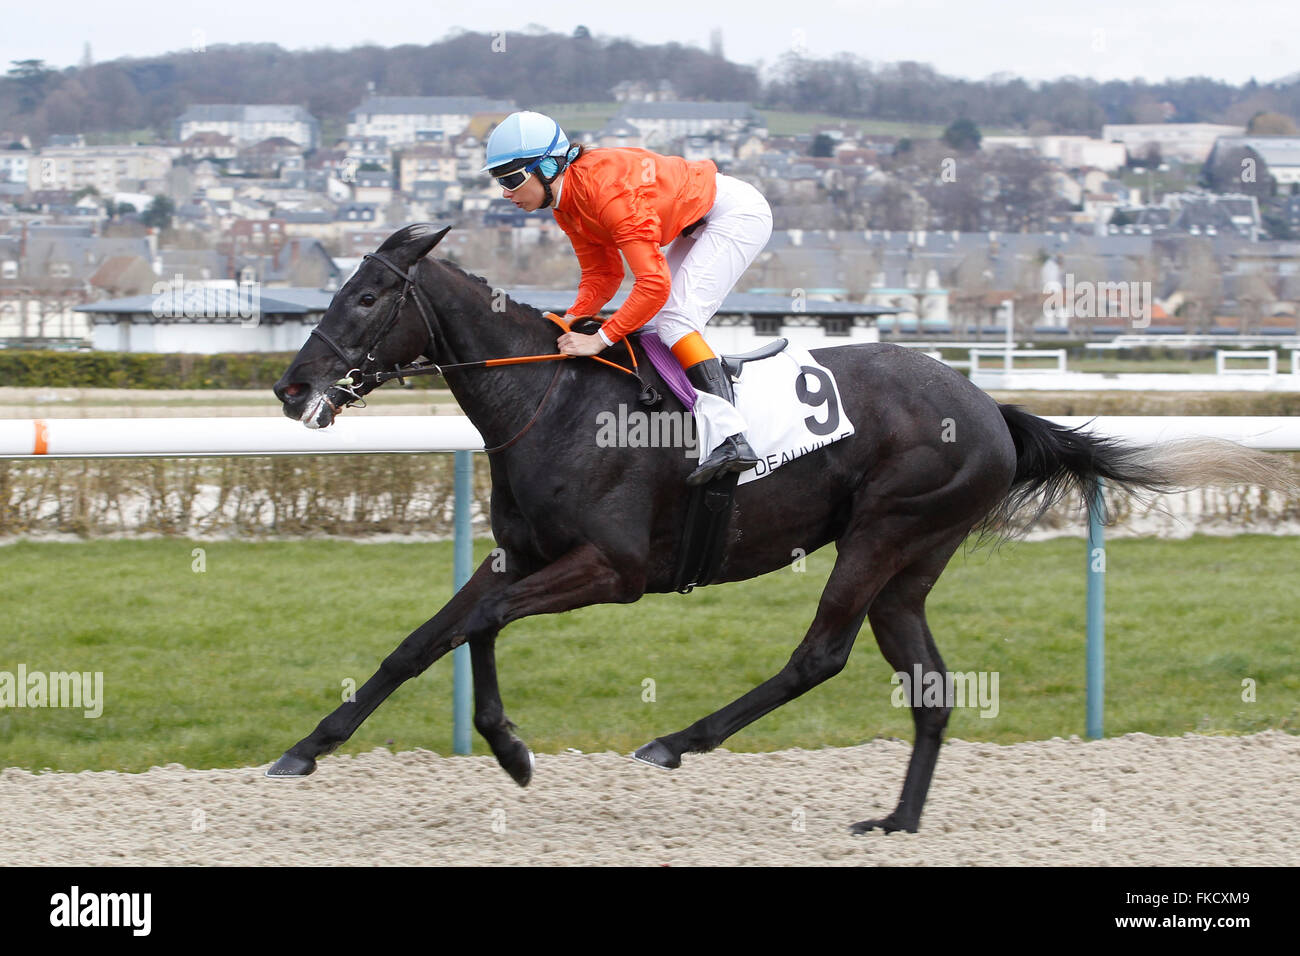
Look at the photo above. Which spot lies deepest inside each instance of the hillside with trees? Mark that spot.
(536, 66)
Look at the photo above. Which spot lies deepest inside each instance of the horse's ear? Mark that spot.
(412, 243)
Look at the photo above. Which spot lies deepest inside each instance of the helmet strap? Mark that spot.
(546, 183)
(561, 163)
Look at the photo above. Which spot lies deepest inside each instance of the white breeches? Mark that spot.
(705, 267)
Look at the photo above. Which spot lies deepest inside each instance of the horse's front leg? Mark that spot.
(430, 641)
(582, 577)
(490, 715)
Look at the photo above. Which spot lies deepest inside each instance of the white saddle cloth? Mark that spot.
(791, 406)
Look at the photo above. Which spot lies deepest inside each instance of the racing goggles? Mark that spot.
(514, 180)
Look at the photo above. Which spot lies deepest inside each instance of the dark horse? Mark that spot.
(932, 458)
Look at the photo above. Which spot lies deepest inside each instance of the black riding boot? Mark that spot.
(734, 454)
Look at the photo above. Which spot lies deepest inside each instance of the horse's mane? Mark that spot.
(422, 230)
(515, 306)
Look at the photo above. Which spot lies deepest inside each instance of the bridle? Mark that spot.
(348, 384)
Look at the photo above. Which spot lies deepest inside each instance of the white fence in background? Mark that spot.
(1222, 357)
(1008, 360)
(1227, 378)
(1124, 342)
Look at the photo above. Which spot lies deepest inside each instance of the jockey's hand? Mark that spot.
(575, 343)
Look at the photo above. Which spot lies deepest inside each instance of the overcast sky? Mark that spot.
(1103, 39)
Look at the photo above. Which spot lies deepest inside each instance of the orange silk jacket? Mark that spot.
(631, 201)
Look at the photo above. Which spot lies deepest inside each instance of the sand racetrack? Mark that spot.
(1134, 800)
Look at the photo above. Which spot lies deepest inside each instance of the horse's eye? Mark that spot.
(368, 299)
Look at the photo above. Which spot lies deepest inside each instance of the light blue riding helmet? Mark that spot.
(525, 135)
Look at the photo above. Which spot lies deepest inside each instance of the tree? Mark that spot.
(860, 269)
(1276, 225)
(1025, 196)
(32, 76)
(822, 145)
(1149, 158)
(1238, 170)
(971, 283)
(1201, 284)
(1253, 296)
(159, 214)
(897, 207)
(1271, 124)
(957, 202)
(962, 135)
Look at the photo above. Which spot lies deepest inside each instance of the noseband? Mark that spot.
(347, 383)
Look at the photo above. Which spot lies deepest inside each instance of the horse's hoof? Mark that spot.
(888, 825)
(656, 754)
(292, 766)
(521, 774)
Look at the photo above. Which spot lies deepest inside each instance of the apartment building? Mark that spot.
(407, 120)
(76, 167)
(248, 124)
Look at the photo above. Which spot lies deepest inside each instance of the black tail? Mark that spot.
(1052, 461)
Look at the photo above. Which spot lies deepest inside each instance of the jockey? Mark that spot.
(632, 201)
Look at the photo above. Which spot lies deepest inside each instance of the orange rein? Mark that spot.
(564, 324)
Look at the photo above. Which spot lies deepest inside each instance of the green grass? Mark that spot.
(1093, 362)
(1167, 366)
(231, 666)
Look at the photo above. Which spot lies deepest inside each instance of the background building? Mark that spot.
(407, 120)
(247, 125)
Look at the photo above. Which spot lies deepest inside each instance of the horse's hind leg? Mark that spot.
(862, 579)
(860, 571)
(898, 622)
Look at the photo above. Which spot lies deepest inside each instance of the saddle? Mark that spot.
(734, 363)
(709, 511)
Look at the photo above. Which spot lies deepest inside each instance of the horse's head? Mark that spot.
(372, 323)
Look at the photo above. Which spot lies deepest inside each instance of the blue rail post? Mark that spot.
(463, 556)
(1096, 613)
